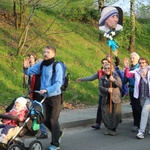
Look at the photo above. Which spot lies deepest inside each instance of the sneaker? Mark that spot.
(107, 132)
(140, 135)
(135, 129)
(61, 135)
(96, 126)
(42, 136)
(53, 147)
(113, 133)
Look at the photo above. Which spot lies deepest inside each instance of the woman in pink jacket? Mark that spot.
(141, 90)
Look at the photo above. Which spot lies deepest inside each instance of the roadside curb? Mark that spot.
(77, 123)
(86, 122)
(85, 117)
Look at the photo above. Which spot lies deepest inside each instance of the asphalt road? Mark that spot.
(85, 138)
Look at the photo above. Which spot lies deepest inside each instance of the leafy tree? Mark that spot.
(85, 10)
(142, 10)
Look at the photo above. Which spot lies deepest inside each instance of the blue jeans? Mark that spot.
(43, 128)
(145, 113)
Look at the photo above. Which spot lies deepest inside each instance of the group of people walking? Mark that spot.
(137, 76)
(110, 85)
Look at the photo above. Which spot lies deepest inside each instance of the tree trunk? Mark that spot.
(100, 5)
(132, 35)
(15, 15)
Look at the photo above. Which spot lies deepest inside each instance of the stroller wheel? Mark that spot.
(14, 147)
(35, 145)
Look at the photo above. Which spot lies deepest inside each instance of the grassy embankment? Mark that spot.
(77, 45)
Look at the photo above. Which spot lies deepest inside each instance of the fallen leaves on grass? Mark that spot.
(73, 106)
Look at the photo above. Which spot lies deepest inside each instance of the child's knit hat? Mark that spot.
(106, 13)
(22, 101)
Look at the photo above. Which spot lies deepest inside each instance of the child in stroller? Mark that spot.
(18, 112)
(18, 137)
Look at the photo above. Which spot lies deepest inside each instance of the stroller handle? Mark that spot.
(35, 91)
(45, 95)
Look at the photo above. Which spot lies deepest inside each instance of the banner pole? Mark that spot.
(110, 81)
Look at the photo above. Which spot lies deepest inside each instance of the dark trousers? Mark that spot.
(99, 111)
(6, 128)
(52, 107)
(136, 109)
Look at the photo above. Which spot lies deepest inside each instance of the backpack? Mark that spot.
(124, 89)
(65, 75)
(100, 73)
(65, 78)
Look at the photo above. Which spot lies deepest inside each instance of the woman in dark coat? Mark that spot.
(110, 119)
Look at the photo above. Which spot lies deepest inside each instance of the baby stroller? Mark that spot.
(28, 129)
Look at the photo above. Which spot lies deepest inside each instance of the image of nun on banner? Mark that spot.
(111, 19)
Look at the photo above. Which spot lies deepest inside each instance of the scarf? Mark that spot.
(48, 62)
(108, 76)
(134, 67)
(143, 73)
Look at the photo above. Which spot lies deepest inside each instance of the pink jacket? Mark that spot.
(136, 74)
(20, 114)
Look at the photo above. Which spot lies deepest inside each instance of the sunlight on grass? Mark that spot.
(77, 45)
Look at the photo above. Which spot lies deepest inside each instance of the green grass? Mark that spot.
(77, 45)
